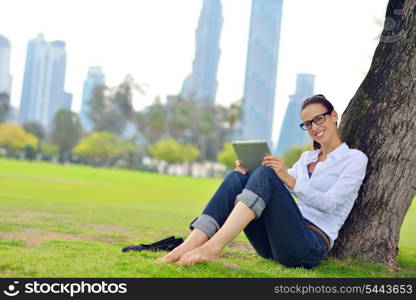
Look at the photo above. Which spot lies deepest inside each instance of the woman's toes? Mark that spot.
(184, 261)
(198, 255)
(160, 260)
(167, 258)
(172, 256)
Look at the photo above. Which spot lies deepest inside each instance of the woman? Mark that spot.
(325, 181)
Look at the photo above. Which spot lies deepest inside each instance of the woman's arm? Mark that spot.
(289, 181)
(288, 176)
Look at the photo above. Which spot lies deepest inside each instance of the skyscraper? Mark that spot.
(43, 83)
(201, 84)
(5, 77)
(291, 134)
(68, 101)
(261, 70)
(94, 78)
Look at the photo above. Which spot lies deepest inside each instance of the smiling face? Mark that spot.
(326, 132)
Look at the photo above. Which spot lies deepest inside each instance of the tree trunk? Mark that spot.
(380, 120)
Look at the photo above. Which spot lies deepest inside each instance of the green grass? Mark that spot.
(72, 221)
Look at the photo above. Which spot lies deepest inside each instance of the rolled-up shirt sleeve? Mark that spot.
(345, 189)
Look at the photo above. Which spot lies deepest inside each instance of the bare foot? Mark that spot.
(194, 240)
(183, 248)
(176, 253)
(200, 254)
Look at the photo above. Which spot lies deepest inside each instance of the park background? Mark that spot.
(71, 219)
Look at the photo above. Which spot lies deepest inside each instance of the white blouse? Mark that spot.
(327, 197)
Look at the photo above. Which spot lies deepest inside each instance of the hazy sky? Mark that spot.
(154, 40)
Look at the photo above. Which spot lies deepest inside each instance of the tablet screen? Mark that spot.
(251, 153)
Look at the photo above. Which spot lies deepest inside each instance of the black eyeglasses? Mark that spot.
(318, 120)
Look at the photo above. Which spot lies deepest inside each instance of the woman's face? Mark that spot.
(324, 132)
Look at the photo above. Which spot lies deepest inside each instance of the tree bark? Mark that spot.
(380, 120)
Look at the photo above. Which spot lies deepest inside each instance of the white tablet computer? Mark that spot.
(251, 153)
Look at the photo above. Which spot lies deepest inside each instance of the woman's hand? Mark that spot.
(278, 165)
(240, 168)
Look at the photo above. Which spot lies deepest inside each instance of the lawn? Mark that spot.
(72, 221)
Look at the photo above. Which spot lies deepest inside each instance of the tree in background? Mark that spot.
(37, 130)
(123, 95)
(133, 157)
(231, 115)
(186, 120)
(291, 155)
(102, 112)
(111, 109)
(152, 122)
(380, 121)
(172, 151)
(103, 148)
(30, 151)
(227, 156)
(206, 126)
(181, 119)
(4, 106)
(49, 151)
(189, 153)
(14, 138)
(66, 132)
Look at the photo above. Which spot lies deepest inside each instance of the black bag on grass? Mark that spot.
(167, 244)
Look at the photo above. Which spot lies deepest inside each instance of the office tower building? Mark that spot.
(43, 83)
(68, 101)
(201, 85)
(5, 76)
(261, 70)
(291, 134)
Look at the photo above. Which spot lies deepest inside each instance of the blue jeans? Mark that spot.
(279, 231)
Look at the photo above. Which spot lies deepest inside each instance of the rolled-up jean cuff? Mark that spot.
(252, 200)
(205, 223)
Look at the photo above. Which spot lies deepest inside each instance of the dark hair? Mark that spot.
(318, 99)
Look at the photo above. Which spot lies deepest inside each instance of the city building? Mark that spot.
(95, 77)
(261, 70)
(5, 76)
(201, 85)
(43, 82)
(68, 101)
(291, 134)
(12, 115)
